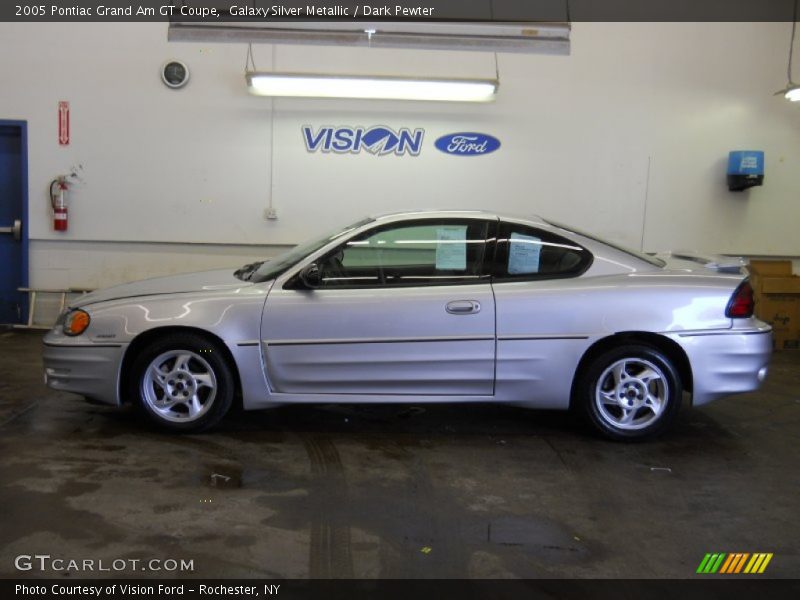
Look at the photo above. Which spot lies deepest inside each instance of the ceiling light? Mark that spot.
(792, 91)
(793, 94)
(299, 85)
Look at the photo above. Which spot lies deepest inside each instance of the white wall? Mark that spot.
(628, 136)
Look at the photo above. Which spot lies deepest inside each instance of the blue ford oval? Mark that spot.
(467, 143)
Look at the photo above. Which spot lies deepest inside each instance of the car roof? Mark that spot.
(459, 213)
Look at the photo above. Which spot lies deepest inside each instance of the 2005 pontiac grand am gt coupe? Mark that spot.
(420, 307)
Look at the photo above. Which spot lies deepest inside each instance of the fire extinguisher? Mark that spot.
(58, 200)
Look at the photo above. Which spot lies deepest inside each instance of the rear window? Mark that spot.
(635, 253)
(525, 252)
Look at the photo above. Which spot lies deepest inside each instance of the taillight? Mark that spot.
(741, 304)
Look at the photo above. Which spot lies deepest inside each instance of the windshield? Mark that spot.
(640, 255)
(264, 271)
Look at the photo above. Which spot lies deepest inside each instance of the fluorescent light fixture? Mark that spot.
(793, 94)
(300, 85)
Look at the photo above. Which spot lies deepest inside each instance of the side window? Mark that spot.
(409, 254)
(527, 253)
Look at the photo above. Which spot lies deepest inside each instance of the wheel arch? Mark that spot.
(662, 343)
(141, 340)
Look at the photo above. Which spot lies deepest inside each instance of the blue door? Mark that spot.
(13, 220)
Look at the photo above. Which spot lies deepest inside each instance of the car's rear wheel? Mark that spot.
(630, 392)
(182, 382)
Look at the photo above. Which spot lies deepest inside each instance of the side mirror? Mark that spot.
(311, 276)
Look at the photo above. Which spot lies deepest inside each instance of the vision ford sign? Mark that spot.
(378, 140)
(467, 144)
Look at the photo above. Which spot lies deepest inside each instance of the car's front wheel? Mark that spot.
(630, 392)
(182, 382)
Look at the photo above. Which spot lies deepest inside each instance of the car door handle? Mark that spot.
(463, 307)
(16, 230)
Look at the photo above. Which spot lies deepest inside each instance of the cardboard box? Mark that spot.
(777, 297)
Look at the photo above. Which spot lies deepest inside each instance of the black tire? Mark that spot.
(191, 388)
(636, 383)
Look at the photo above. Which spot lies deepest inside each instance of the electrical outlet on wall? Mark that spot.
(270, 214)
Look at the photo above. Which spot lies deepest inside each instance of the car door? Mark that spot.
(403, 308)
(541, 332)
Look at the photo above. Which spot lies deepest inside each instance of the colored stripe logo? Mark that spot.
(734, 563)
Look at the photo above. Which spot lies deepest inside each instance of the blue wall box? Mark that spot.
(745, 169)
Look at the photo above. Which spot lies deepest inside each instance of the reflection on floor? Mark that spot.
(394, 491)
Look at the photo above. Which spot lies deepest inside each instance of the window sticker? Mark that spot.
(451, 247)
(523, 254)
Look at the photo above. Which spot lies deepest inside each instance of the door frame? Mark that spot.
(23, 130)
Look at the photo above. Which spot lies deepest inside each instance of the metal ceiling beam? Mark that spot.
(530, 37)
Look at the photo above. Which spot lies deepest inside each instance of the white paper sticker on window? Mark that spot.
(451, 248)
(523, 254)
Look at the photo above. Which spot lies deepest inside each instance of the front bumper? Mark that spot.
(725, 363)
(89, 369)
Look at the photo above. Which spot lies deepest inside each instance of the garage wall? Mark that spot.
(628, 137)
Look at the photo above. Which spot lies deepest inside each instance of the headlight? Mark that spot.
(76, 322)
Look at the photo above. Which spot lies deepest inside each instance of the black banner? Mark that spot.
(703, 588)
(220, 11)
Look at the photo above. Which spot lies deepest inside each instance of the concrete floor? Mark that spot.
(396, 491)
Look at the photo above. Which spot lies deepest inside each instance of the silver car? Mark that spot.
(445, 306)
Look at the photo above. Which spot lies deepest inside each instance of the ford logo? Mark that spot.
(467, 144)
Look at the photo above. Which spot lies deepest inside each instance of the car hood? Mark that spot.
(204, 281)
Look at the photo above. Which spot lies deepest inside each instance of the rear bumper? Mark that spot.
(91, 370)
(725, 363)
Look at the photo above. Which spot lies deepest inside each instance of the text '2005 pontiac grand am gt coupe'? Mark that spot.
(446, 306)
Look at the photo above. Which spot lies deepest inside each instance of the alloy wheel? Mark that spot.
(631, 394)
(179, 386)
